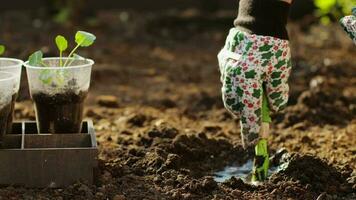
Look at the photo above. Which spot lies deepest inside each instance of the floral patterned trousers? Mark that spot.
(249, 65)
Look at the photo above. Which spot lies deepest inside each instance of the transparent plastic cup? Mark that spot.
(13, 66)
(58, 93)
(7, 86)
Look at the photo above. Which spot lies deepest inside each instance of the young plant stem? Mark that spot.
(44, 64)
(60, 59)
(71, 54)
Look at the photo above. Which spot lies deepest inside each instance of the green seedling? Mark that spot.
(35, 59)
(2, 49)
(82, 39)
(57, 77)
(62, 45)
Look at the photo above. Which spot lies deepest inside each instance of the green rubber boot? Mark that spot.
(261, 160)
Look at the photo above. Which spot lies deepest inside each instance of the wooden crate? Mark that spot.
(47, 160)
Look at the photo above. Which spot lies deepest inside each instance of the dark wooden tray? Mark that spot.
(47, 160)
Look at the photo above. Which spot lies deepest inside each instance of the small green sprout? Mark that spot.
(2, 49)
(35, 59)
(62, 45)
(82, 39)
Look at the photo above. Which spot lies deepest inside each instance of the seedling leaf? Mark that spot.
(2, 49)
(35, 59)
(84, 39)
(46, 76)
(61, 42)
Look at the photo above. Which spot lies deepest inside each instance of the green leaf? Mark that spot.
(248, 46)
(250, 74)
(237, 107)
(267, 55)
(239, 92)
(256, 93)
(279, 53)
(237, 71)
(275, 83)
(61, 42)
(2, 49)
(278, 102)
(276, 75)
(46, 76)
(230, 102)
(265, 47)
(84, 39)
(35, 59)
(280, 64)
(325, 5)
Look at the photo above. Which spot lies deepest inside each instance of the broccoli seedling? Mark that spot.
(36, 59)
(82, 39)
(2, 49)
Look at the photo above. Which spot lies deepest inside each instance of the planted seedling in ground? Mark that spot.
(60, 85)
(13, 66)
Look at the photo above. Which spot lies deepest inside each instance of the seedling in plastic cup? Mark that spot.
(82, 39)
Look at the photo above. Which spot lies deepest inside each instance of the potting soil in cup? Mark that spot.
(58, 94)
(7, 82)
(5, 111)
(59, 113)
(13, 66)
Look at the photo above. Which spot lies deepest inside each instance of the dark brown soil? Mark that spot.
(4, 115)
(11, 116)
(163, 131)
(59, 113)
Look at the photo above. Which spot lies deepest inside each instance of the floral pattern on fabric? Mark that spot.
(349, 25)
(249, 64)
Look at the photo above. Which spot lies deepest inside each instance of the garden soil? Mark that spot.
(60, 113)
(161, 126)
(11, 113)
(4, 114)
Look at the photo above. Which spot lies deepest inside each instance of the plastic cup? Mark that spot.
(8, 85)
(13, 66)
(58, 93)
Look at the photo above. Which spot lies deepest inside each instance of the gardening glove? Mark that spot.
(261, 162)
(349, 25)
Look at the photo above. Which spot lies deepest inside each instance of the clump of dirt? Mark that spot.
(321, 104)
(163, 147)
(314, 172)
